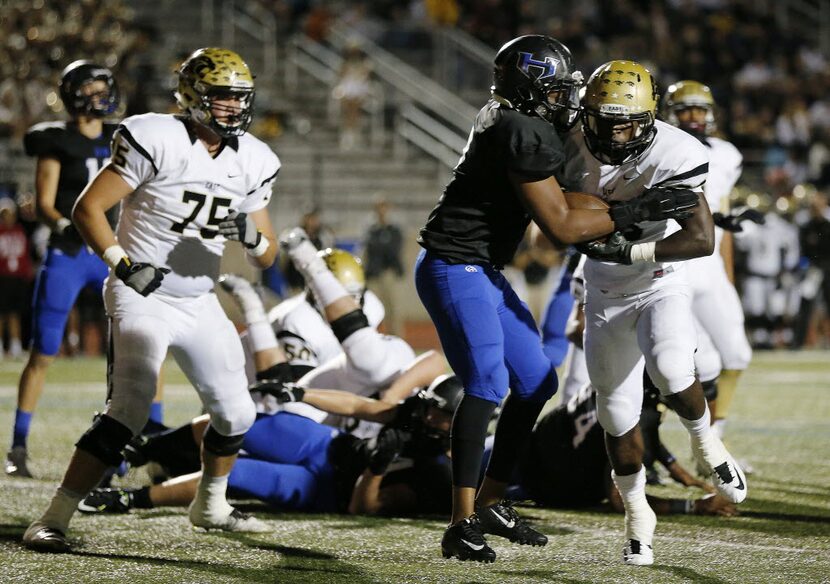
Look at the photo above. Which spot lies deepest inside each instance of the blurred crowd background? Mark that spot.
(769, 75)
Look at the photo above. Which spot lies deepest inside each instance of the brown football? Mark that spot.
(586, 201)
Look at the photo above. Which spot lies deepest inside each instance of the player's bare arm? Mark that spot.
(695, 239)
(263, 226)
(47, 174)
(546, 204)
(89, 213)
(343, 403)
(420, 373)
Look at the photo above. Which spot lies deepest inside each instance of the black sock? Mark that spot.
(469, 429)
(512, 434)
(175, 450)
(141, 499)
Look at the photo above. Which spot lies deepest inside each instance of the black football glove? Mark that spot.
(616, 248)
(282, 391)
(240, 227)
(732, 222)
(654, 205)
(388, 445)
(142, 277)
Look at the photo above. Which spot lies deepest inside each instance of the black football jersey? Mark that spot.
(80, 157)
(480, 218)
(566, 463)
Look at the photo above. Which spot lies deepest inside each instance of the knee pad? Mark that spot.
(616, 414)
(233, 415)
(221, 445)
(710, 389)
(348, 324)
(671, 366)
(739, 355)
(105, 439)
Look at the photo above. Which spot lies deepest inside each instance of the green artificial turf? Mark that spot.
(779, 424)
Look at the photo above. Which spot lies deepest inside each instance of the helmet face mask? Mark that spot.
(536, 75)
(680, 101)
(89, 89)
(216, 89)
(619, 112)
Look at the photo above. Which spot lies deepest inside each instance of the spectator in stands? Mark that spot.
(352, 91)
(15, 276)
(383, 264)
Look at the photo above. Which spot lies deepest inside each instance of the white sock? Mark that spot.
(326, 287)
(61, 508)
(211, 496)
(15, 348)
(700, 430)
(718, 427)
(639, 518)
(261, 335)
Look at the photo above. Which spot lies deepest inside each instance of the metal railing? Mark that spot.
(428, 116)
(323, 64)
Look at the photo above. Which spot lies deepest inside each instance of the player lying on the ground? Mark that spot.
(566, 465)
(343, 352)
(292, 462)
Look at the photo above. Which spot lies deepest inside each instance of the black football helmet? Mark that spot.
(444, 393)
(528, 69)
(76, 102)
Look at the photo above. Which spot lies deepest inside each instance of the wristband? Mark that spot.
(260, 248)
(643, 252)
(61, 225)
(681, 506)
(113, 254)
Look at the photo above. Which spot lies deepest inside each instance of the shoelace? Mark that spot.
(472, 530)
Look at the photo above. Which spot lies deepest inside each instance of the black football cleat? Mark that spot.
(502, 519)
(42, 538)
(465, 541)
(17, 463)
(107, 501)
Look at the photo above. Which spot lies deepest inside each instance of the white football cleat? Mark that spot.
(236, 521)
(638, 554)
(639, 533)
(42, 538)
(292, 238)
(725, 473)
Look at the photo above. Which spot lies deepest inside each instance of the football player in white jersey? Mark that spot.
(312, 348)
(187, 183)
(637, 299)
(726, 353)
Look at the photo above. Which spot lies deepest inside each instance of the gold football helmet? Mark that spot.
(348, 269)
(619, 109)
(688, 94)
(211, 74)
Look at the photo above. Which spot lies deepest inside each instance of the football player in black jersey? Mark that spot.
(566, 465)
(68, 155)
(506, 177)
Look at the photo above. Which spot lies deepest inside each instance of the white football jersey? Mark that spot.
(305, 336)
(182, 194)
(724, 171)
(674, 159)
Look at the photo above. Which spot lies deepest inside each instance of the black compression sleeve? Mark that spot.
(512, 433)
(469, 429)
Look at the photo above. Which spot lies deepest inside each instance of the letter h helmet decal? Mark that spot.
(546, 68)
